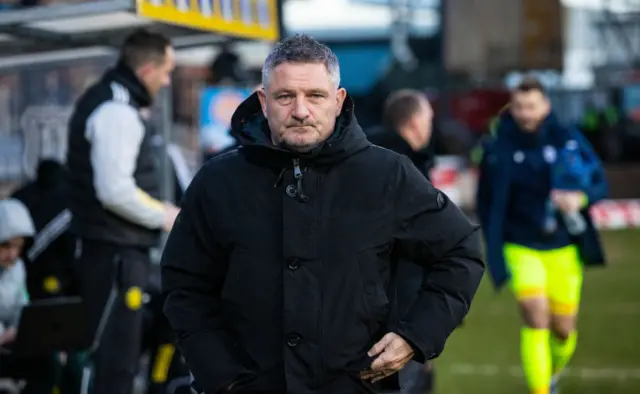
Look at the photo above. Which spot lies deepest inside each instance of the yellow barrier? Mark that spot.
(254, 19)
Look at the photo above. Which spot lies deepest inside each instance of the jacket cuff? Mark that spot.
(213, 375)
(422, 351)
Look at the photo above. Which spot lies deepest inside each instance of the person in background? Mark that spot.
(16, 234)
(537, 181)
(407, 128)
(49, 259)
(114, 184)
(49, 269)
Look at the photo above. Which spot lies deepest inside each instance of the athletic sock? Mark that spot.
(536, 359)
(562, 351)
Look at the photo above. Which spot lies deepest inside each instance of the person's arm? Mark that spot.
(435, 234)
(598, 187)
(115, 132)
(194, 266)
(483, 194)
(20, 278)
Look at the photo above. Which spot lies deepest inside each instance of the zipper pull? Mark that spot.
(297, 174)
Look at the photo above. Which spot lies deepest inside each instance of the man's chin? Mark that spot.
(300, 146)
(529, 127)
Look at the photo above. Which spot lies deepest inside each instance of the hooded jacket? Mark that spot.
(15, 222)
(278, 268)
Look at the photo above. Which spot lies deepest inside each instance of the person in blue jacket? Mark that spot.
(538, 179)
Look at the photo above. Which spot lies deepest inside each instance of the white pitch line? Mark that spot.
(625, 308)
(578, 372)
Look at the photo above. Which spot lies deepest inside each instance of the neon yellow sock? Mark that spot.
(562, 351)
(536, 359)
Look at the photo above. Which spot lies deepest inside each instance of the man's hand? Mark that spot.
(170, 214)
(393, 354)
(8, 336)
(568, 201)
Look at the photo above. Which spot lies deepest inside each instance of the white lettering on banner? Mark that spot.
(44, 129)
(263, 13)
(246, 12)
(227, 9)
(182, 5)
(206, 7)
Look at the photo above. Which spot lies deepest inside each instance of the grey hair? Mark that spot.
(301, 48)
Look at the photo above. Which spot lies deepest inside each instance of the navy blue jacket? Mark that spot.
(496, 177)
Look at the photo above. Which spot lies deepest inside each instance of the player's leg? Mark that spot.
(565, 284)
(528, 282)
(116, 361)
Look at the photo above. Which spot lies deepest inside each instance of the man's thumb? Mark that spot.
(380, 345)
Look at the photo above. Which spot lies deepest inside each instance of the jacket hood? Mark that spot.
(124, 75)
(50, 174)
(251, 130)
(15, 220)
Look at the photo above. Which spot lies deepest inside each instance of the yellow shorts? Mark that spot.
(555, 274)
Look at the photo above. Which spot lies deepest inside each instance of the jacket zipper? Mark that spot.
(297, 174)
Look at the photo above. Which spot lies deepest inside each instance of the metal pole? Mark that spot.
(282, 32)
(443, 85)
(167, 178)
(168, 183)
(401, 11)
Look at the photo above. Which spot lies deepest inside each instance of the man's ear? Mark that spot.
(341, 95)
(262, 96)
(547, 104)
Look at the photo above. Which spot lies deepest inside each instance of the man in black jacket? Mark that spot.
(278, 266)
(114, 190)
(407, 130)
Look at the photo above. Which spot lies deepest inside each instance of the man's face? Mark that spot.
(10, 251)
(157, 75)
(423, 122)
(529, 109)
(301, 104)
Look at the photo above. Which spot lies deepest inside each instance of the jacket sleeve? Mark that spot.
(21, 296)
(193, 271)
(116, 132)
(598, 188)
(483, 194)
(435, 234)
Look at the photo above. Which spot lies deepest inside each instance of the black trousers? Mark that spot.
(415, 378)
(112, 279)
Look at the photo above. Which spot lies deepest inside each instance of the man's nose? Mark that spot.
(300, 110)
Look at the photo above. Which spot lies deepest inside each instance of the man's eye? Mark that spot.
(284, 97)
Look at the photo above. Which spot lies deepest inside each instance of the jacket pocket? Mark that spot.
(371, 269)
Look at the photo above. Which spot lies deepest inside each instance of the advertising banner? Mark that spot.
(253, 19)
(217, 105)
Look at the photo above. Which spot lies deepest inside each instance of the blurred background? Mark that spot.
(464, 54)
